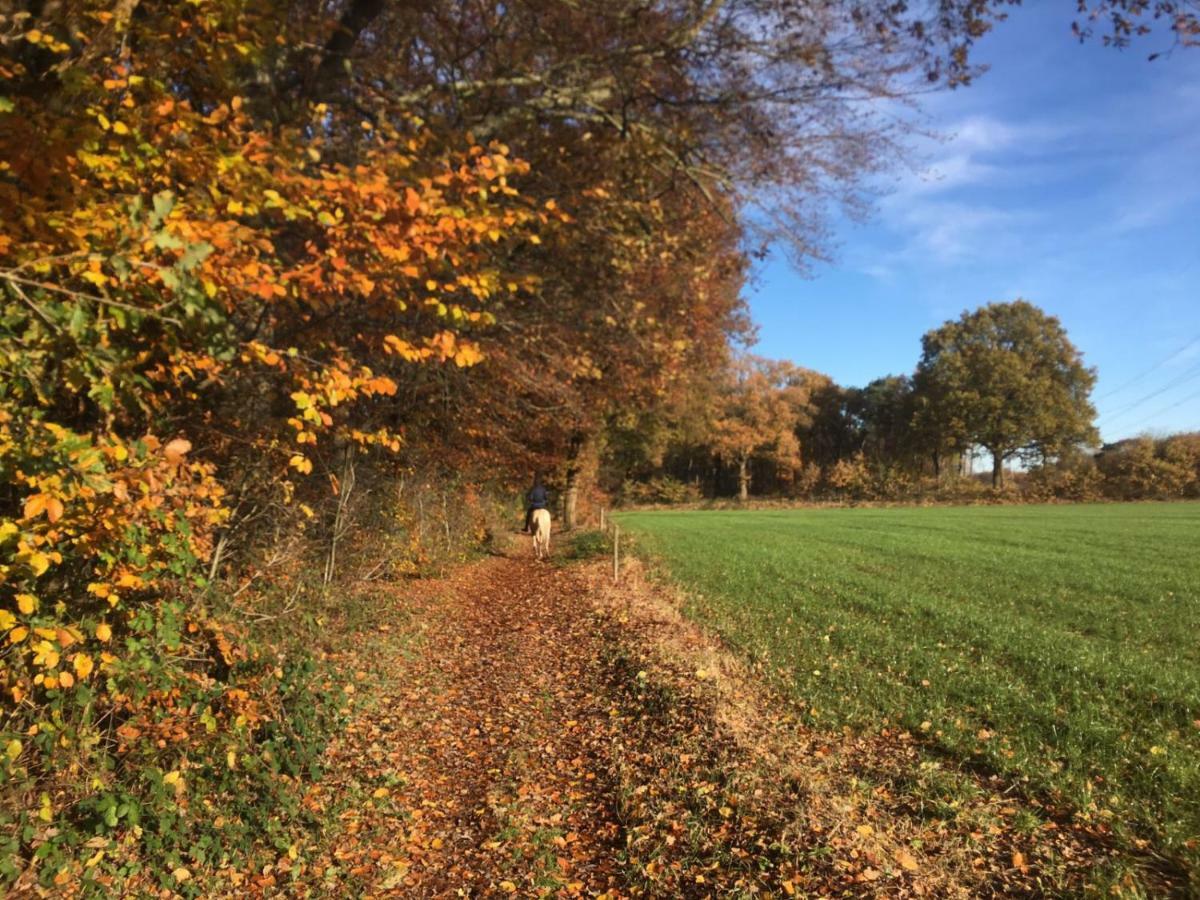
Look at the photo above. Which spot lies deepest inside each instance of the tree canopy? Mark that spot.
(1007, 378)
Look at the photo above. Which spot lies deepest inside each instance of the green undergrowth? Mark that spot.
(586, 544)
(183, 763)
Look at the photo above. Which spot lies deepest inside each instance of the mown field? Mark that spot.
(1057, 645)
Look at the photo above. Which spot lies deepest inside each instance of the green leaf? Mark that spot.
(164, 240)
(195, 254)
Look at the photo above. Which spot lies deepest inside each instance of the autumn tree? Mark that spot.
(1008, 376)
(209, 301)
(655, 128)
(757, 413)
(1119, 22)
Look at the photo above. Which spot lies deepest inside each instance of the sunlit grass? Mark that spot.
(1057, 645)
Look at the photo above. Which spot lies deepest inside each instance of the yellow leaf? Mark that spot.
(45, 654)
(508, 887)
(13, 750)
(66, 679)
(181, 875)
(18, 634)
(37, 561)
(1018, 859)
(99, 279)
(27, 604)
(231, 759)
(906, 860)
(103, 632)
(83, 665)
(120, 128)
(380, 793)
(7, 620)
(301, 463)
(865, 830)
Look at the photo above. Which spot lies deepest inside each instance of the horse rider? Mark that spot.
(537, 498)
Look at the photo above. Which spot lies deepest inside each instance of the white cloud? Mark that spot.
(981, 132)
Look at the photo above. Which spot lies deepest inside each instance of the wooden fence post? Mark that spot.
(616, 552)
(602, 518)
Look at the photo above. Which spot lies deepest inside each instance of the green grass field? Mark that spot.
(1057, 644)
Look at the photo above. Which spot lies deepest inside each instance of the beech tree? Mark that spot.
(1006, 378)
(758, 411)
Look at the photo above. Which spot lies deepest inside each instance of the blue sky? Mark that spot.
(1068, 175)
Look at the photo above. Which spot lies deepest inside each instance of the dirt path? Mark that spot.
(523, 728)
(482, 754)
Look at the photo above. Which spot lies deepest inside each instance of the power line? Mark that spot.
(1178, 380)
(1188, 399)
(1154, 368)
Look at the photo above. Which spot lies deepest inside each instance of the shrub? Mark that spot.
(661, 489)
(1073, 476)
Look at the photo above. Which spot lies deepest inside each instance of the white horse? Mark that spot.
(541, 533)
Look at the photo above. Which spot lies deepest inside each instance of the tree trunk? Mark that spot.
(332, 70)
(345, 487)
(997, 470)
(571, 493)
(570, 498)
(743, 479)
(937, 466)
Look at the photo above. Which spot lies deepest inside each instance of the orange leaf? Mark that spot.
(176, 450)
(54, 509)
(34, 505)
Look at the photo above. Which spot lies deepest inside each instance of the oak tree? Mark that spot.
(1006, 377)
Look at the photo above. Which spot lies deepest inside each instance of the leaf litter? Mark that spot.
(531, 730)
